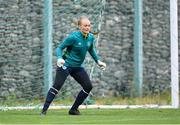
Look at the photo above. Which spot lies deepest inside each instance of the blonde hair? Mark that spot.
(80, 19)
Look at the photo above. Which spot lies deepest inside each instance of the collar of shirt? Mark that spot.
(85, 36)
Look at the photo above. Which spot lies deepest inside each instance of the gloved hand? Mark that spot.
(60, 62)
(101, 64)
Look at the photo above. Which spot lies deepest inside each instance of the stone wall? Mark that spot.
(21, 73)
(21, 46)
(178, 32)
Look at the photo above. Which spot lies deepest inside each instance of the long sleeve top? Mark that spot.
(76, 49)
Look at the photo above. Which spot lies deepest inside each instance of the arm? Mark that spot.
(67, 42)
(93, 53)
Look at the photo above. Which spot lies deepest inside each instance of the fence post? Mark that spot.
(47, 24)
(174, 53)
(138, 47)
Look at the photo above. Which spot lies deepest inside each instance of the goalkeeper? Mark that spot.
(70, 62)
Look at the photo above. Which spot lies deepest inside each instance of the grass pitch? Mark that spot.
(93, 116)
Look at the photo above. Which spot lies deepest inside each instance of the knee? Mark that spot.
(88, 88)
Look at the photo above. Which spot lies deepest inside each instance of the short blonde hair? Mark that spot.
(80, 19)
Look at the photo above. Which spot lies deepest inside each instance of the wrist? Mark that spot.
(98, 61)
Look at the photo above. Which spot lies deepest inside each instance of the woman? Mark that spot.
(70, 62)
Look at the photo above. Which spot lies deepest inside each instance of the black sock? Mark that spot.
(50, 96)
(79, 100)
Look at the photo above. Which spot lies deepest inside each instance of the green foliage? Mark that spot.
(163, 99)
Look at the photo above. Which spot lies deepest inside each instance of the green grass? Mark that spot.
(93, 116)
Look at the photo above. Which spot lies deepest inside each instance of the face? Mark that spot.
(85, 26)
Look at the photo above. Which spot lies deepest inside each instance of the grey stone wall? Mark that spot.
(21, 73)
(178, 32)
(156, 46)
(21, 46)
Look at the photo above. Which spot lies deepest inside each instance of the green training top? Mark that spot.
(76, 48)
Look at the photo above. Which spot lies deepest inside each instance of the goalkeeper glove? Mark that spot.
(101, 64)
(60, 62)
